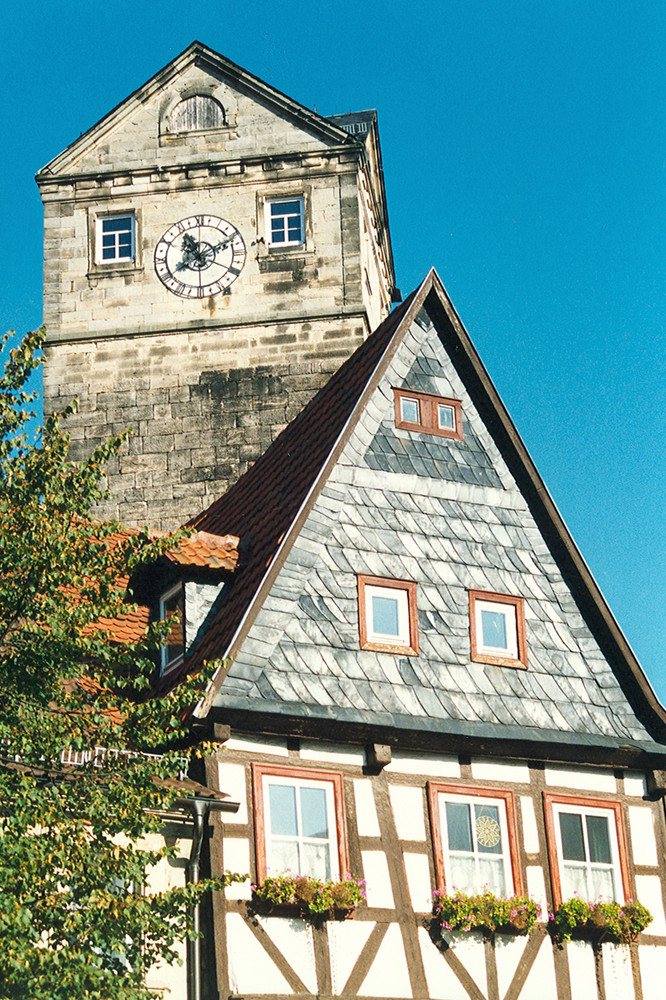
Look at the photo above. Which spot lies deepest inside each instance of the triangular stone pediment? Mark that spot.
(145, 130)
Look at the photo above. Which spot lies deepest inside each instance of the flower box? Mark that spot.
(599, 921)
(308, 897)
(484, 912)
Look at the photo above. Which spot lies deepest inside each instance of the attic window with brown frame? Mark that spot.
(419, 411)
(387, 615)
(497, 629)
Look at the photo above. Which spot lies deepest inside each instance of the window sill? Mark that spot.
(389, 647)
(498, 661)
(113, 270)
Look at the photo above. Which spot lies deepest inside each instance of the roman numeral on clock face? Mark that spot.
(199, 256)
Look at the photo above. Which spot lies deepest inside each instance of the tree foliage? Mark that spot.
(77, 916)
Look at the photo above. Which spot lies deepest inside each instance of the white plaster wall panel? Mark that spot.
(634, 784)
(170, 981)
(407, 803)
(366, 811)
(412, 763)
(378, 883)
(584, 780)
(540, 983)
(293, 939)
(582, 974)
(417, 869)
(530, 829)
(443, 984)
(648, 892)
(536, 888)
(388, 975)
(488, 770)
(345, 941)
(276, 748)
(250, 968)
(618, 977)
(652, 962)
(643, 841)
(237, 859)
(332, 753)
(232, 781)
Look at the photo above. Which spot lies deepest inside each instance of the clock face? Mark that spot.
(199, 256)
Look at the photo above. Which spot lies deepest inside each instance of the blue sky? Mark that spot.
(524, 155)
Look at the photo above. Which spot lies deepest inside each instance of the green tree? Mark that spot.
(77, 917)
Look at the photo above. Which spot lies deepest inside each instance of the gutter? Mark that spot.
(200, 810)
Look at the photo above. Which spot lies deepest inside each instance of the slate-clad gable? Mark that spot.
(302, 656)
(397, 450)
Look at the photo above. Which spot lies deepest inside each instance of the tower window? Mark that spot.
(284, 222)
(198, 113)
(115, 239)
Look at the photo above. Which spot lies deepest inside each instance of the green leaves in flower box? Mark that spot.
(485, 912)
(599, 921)
(309, 896)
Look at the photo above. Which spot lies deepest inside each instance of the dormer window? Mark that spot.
(497, 629)
(198, 113)
(387, 615)
(172, 608)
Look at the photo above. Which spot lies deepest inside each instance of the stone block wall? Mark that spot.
(201, 407)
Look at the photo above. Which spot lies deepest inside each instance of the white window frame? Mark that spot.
(99, 233)
(277, 244)
(166, 665)
(476, 800)
(508, 611)
(410, 399)
(404, 592)
(587, 866)
(452, 410)
(332, 840)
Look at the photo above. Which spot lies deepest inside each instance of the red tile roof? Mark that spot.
(262, 505)
(202, 549)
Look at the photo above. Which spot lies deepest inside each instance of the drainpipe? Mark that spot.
(200, 809)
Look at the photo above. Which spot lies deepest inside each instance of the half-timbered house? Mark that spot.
(420, 685)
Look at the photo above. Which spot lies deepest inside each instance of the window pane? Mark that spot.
(493, 627)
(491, 873)
(282, 800)
(316, 860)
(286, 208)
(409, 408)
(284, 856)
(599, 839)
(277, 231)
(488, 829)
(571, 828)
(602, 884)
(462, 874)
(115, 225)
(385, 616)
(295, 230)
(447, 417)
(459, 826)
(574, 881)
(313, 812)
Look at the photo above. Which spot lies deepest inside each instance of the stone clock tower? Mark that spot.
(213, 251)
